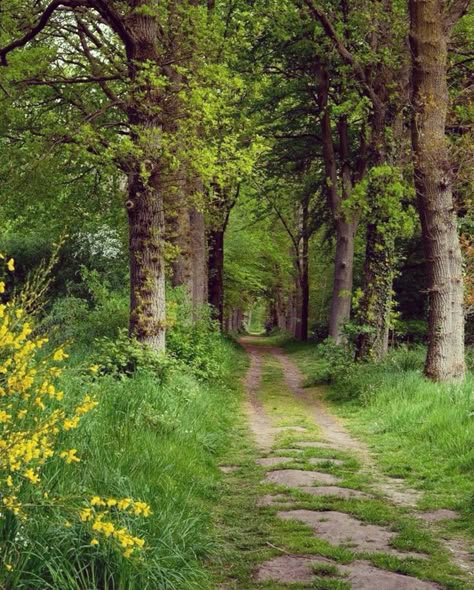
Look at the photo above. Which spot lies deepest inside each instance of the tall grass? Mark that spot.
(155, 441)
(422, 431)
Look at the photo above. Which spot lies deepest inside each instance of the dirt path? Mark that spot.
(313, 468)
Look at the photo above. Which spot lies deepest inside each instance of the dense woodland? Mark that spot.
(178, 170)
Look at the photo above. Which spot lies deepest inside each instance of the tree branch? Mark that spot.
(344, 53)
(60, 81)
(40, 25)
(455, 11)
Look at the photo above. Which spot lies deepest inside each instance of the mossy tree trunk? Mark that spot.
(145, 204)
(430, 28)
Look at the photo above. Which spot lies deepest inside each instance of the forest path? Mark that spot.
(332, 520)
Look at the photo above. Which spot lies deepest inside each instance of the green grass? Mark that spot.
(421, 431)
(159, 443)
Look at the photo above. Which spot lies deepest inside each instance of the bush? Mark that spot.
(103, 313)
(97, 248)
(333, 361)
(37, 418)
(123, 356)
(199, 347)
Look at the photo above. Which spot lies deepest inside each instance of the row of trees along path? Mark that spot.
(176, 97)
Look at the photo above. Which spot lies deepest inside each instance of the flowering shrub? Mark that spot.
(34, 420)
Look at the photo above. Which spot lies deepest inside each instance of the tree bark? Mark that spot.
(379, 266)
(198, 260)
(145, 204)
(180, 236)
(341, 301)
(147, 273)
(429, 36)
(304, 288)
(340, 310)
(216, 272)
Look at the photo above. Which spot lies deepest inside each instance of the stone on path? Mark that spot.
(271, 461)
(338, 528)
(345, 493)
(398, 493)
(293, 428)
(272, 500)
(285, 451)
(437, 515)
(289, 569)
(297, 478)
(364, 576)
(328, 460)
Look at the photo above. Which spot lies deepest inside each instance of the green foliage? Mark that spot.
(122, 357)
(386, 190)
(198, 347)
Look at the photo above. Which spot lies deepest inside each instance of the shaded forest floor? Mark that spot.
(307, 505)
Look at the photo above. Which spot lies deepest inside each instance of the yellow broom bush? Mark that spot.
(33, 420)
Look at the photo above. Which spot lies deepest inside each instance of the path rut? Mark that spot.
(338, 528)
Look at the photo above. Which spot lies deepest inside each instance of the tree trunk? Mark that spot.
(379, 267)
(376, 302)
(429, 36)
(199, 259)
(216, 273)
(291, 314)
(145, 204)
(341, 301)
(147, 267)
(179, 231)
(304, 295)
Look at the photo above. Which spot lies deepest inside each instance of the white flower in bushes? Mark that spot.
(104, 242)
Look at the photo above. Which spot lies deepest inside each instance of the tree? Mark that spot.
(431, 23)
(139, 38)
(381, 81)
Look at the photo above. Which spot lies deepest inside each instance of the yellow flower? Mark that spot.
(11, 265)
(124, 504)
(70, 456)
(85, 514)
(4, 417)
(141, 508)
(94, 542)
(2, 287)
(94, 368)
(71, 423)
(9, 567)
(59, 355)
(31, 476)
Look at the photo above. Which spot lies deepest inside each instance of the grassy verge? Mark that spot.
(155, 441)
(421, 431)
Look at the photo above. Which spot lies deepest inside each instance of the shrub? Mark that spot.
(197, 346)
(123, 356)
(333, 361)
(36, 419)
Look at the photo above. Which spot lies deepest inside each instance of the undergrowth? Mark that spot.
(156, 436)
